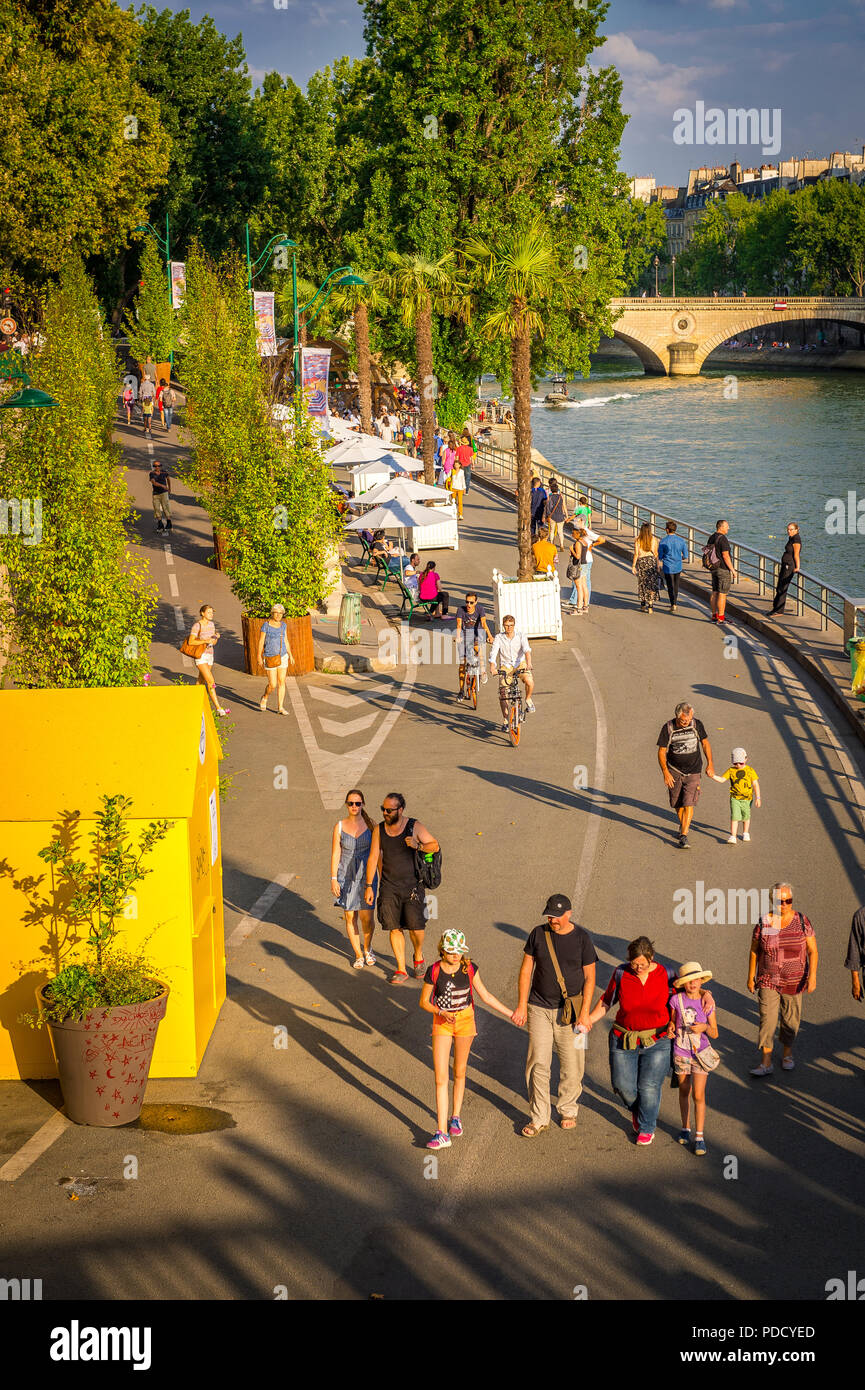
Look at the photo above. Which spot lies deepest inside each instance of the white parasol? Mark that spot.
(396, 516)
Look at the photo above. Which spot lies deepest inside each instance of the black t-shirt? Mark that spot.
(158, 481)
(574, 950)
(722, 546)
(472, 620)
(684, 753)
(450, 992)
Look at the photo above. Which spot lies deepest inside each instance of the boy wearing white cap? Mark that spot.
(744, 789)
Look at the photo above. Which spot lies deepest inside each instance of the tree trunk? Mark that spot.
(423, 340)
(364, 387)
(522, 382)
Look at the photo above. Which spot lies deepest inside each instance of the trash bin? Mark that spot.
(349, 620)
(856, 649)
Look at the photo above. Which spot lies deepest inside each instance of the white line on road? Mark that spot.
(35, 1147)
(169, 558)
(150, 446)
(179, 618)
(246, 926)
(173, 585)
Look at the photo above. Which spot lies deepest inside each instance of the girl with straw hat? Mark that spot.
(693, 1022)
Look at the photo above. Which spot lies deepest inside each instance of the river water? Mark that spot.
(777, 452)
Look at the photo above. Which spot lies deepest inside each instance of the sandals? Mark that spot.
(358, 963)
(531, 1131)
(368, 958)
(569, 1122)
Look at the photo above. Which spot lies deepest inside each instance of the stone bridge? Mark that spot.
(673, 337)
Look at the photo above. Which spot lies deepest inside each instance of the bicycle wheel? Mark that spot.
(514, 723)
(472, 690)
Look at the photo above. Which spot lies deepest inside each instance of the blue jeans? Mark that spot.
(467, 474)
(637, 1078)
(587, 571)
(169, 415)
(573, 597)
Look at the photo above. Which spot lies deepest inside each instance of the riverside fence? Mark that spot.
(831, 606)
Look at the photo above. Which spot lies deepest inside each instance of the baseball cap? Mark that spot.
(454, 941)
(739, 755)
(557, 905)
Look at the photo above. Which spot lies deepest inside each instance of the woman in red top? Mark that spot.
(639, 1046)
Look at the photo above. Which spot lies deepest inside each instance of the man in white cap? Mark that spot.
(744, 789)
(556, 985)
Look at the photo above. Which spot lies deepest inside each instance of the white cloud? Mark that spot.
(649, 86)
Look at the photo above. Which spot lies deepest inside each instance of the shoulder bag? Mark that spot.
(427, 871)
(571, 1003)
(272, 662)
(190, 647)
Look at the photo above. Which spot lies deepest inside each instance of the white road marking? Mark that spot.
(333, 772)
(338, 697)
(354, 726)
(169, 558)
(149, 443)
(256, 914)
(173, 586)
(179, 618)
(35, 1147)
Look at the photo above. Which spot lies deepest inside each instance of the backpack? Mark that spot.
(427, 871)
(711, 558)
(672, 727)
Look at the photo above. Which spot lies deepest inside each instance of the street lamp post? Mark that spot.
(164, 244)
(673, 263)
(657, 263)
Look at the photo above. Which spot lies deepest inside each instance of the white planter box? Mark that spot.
(443, 536)
(534, 603)
(368, 476)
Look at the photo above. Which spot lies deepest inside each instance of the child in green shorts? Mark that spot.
(744, 788)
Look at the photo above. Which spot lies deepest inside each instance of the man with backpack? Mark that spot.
(556, 986)
(679, 753)
(556, 514)
(402, 853)
(716, 558)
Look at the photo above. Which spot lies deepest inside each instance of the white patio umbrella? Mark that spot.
(402, 489)
(395, 516)
(402, 464)
(360, 449)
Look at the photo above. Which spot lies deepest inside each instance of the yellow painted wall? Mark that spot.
(63, 749)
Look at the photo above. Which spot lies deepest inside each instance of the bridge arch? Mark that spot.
(652, 363)
(761, 321)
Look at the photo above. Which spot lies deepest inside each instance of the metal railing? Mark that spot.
(809, 594)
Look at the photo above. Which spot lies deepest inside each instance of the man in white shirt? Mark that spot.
(511, 649)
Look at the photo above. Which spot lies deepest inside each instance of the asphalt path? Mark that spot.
(321, 1185)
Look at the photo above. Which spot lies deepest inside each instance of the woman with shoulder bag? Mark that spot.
(274, 653)
(199, 645)
(574, 572)
(693, 1022)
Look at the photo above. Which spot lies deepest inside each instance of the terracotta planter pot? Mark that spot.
(103, 1062)
(220, 541)
(299, 632)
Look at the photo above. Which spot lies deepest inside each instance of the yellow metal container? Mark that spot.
(62, 751)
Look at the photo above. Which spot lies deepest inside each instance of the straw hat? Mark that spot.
(692, 970)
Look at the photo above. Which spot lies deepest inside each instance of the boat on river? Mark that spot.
(559, 394)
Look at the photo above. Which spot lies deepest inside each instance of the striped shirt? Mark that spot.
(782, 954)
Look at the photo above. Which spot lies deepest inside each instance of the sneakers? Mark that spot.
(159, 527)
(461, 698)
(505, 726)
(713, 617)
(644, 1139)
(439, 1141)
(398, 977)
(700, 1145)
(168, 525)
(721, 618)
(530, 707)
(762, 1069)
(683, 1137)
(419, 968)
(455, 1129)
(787, 1064)
(673, 607)
(683, 842)
(746, 835)
(732, 839)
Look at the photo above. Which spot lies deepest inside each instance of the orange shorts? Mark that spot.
(462, 1026)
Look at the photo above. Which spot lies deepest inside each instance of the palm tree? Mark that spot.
(521, 264)
(422, 287)
(359, 300)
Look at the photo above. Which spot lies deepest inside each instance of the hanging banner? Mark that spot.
(178, 283)
(265, 327)
(315, 367)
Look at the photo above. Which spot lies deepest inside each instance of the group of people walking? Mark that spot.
(664, 1019)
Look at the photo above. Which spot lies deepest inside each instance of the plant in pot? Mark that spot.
(102, 1012)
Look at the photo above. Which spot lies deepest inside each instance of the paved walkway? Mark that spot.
(321, 1183)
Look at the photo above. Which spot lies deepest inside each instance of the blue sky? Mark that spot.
(804, 57)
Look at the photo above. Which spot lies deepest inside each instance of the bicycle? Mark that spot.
(516, 707)
(471, 678)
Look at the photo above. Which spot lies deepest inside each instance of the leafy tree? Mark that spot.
(82, 145)
(829, 236)
(359, 300)
(79, 610)
(522, 267)
(765, 257)
(709, 263)
(217, 172)
(150, 331)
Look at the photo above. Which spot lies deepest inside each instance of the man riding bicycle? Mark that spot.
(515, 655)
(471, 624)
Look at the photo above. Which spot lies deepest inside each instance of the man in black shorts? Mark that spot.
(401, 897)
(723, 573)
(679, 745)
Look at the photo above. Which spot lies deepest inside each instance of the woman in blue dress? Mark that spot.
(352, 838)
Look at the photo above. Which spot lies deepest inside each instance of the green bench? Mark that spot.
(408, 598)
